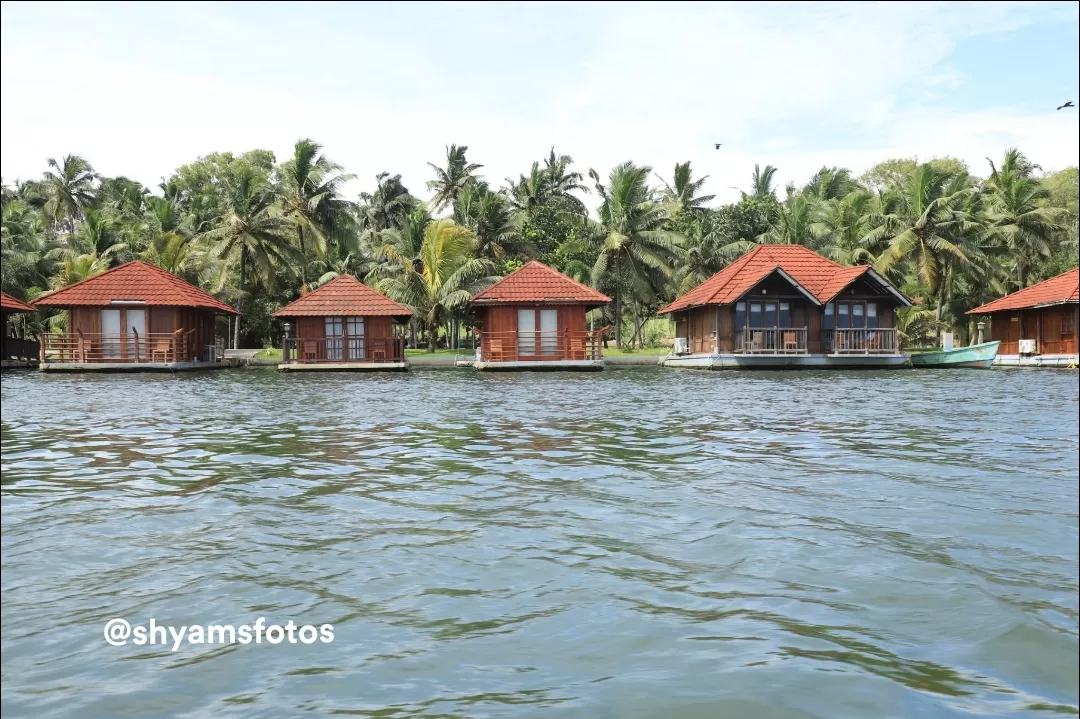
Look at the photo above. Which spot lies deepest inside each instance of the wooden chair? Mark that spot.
(757, 340)
(577, 348)
(791, 342)
(839, 341)
(495, 351)
(311, 351)
(378, 351)
(162, 348)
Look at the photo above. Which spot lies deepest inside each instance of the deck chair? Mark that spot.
(378, 351)
(495, 350)
(311, 351)
(577, 348)
(162, 348)
(791, 342)
(839, 342)
(757, 340)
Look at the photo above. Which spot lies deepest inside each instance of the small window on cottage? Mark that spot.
(740, 315)
(871, 315)
(1068, 323)
(830, 320)
(785, 314)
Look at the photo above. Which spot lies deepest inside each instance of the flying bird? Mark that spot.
(720, 144)
(1060, 107)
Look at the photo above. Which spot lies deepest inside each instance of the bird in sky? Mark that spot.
(720, 144)
(1060, 107)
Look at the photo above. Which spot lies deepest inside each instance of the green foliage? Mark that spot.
(259, 233)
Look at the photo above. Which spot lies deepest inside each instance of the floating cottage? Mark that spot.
(344, 325)
(534, 319)
(133, 317)
(1036, 325)
(16, 352)
(787, 306)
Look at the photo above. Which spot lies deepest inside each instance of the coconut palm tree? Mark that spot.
(840, 228)
(311, 186)
(443, 279)
(683, 190)
(637, 255)
(1017, 214)
(491, 217)
(762, 181)
(388, 206)
(794, 222)
(449, 182)
(831, 183)
(69, 190)
(929, 223)
(251, 234)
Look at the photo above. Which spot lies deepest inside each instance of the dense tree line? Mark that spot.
(258, 233)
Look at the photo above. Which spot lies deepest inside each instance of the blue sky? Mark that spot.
(141, 89)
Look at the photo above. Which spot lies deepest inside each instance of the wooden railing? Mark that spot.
(342, 349)
(771, 340)
(81, 347)
(541, 345)
(17, 348)
(861, 341)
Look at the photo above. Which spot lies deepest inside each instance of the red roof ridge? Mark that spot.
(1058, 290)
(14, 304)
(516, 288)
(183, 293)
(343, 296)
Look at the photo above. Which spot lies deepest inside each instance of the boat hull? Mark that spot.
(979, 356)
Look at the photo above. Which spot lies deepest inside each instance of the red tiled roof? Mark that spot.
(343, 296)
(1054, 291)
(137, 282)
(536, 283)
(816, 275)
(10, 304)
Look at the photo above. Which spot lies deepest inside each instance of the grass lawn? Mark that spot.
(270, 353)
(273, 353)
(465, 351)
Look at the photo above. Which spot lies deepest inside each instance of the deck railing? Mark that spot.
(861, 341)
(342, 350)
(541, 345)
(17, 348)
(83, 347)
(771, 340)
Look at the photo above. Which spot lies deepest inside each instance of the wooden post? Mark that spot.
(41, 348)
(136, 333)
(81, 354)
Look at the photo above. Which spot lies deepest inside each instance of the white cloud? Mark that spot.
(793, 86)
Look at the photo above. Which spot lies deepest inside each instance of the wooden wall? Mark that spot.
(159, 320)
(501, 321)
(1045, 324)
(375, 328)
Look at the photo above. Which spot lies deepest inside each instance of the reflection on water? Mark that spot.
(641, 543)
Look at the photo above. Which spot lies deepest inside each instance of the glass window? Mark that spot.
(335, 347)
(858, 319)
(770, 314)
(755, 314)
(830, 317)
(843, 319)
(1068, 322)
(785, 314)
(871, 315)
(740, 315)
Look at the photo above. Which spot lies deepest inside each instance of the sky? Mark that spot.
(140, 89)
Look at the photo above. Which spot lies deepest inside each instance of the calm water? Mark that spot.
(640, 543)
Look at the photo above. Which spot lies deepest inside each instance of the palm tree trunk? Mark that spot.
(240, 297)
(618, 319)
(637, 325)
(432, 333)
(303, 256)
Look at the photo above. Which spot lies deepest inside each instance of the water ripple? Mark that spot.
(641, 543)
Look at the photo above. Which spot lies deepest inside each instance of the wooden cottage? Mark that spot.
(534, 318)
(344, 325)
(787, 306)
(133, 317)
(1037, 325)
(16, 351)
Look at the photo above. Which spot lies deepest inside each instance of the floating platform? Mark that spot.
(540, 366)
(1058, 361)
(344, 367)
(131, 366)
(782, 361)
